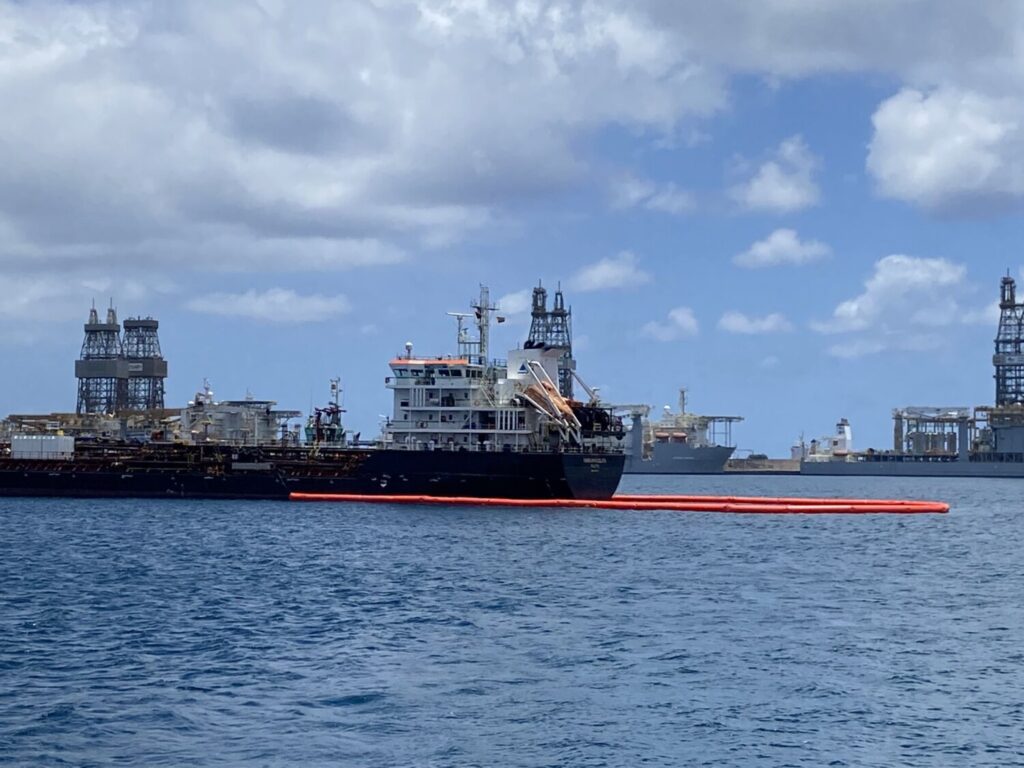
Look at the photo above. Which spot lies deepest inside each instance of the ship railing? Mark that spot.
(450, 428)
(498, 448)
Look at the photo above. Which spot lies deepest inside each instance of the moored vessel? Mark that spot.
(680, 443)
(929, 441)
(462, 425)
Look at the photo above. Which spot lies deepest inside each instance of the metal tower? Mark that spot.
(147, 368)
(482, 309)
(553, 330)
(101, 370)
(1009, 357)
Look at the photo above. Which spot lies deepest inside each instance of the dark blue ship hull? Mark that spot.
(221, 472)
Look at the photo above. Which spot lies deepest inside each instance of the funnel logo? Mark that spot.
(523, 368)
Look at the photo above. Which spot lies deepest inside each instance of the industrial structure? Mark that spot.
(147, 368)
(986, 441)
(1009, 355)
(463, 425)
(118, 374)
(553, 330)
(101, 369)
(234, 422)
(934, 431)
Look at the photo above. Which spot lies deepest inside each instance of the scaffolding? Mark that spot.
(553, 330)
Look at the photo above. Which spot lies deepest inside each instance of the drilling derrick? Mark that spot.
(146, 366)
(553, 330)
(1009, 356)
(101, 369)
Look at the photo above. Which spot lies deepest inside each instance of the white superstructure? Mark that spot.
(833, 447)
(235, 422)
(471, 403)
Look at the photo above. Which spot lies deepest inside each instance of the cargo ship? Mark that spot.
(462, 425)
(944, 441)
(680, 443)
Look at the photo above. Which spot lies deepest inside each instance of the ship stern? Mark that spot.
(593, 476)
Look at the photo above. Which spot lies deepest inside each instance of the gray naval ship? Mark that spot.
(928, 441)
(680, 443)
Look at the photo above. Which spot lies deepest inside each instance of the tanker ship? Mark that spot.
(462, 425)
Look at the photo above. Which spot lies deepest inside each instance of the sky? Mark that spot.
(800, 211)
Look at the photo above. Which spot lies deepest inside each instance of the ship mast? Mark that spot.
(476, 351)
(483, 309)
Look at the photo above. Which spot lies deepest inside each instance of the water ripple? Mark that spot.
(170, 633)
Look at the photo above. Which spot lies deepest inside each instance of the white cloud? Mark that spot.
(130, 145)
(379, 129)
(403, 122)
(64, 297)
(517, 303)
(276, 305)
(630, 192)
(295, 254)
(769, 362)
(783, 184)
(669, 199)
(987, 315)
(787, 39)
(620, 271)
(737, 322)
(903, 305)
(36, 305)
(949, 149)
(906, 287)
(679, 324)
(783, 246)
(858, 348)
(393, 126)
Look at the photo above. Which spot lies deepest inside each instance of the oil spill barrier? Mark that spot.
(760, 505)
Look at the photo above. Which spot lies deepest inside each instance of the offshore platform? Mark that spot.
(120, 373)
(985, 441)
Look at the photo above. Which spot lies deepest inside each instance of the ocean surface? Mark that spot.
(232, 633)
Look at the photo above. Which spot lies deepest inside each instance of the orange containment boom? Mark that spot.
(733, 504)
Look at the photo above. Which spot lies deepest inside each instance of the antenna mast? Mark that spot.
(483, 309)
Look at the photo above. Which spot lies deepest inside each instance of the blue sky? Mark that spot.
(800, 211)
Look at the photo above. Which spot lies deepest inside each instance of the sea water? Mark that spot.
(238, 633)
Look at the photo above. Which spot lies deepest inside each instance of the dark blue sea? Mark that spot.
(213, 634)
